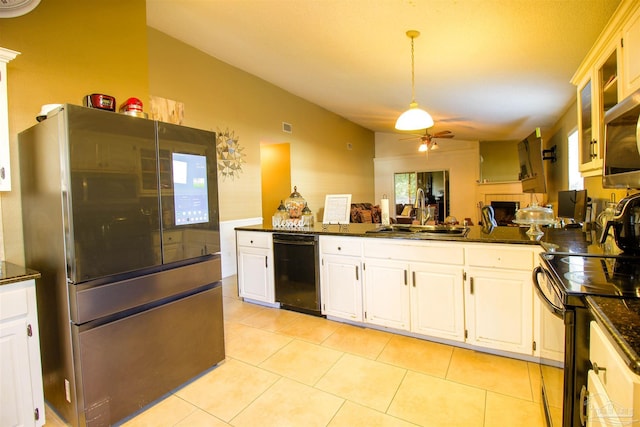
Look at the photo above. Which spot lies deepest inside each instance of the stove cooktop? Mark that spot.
(581, 275)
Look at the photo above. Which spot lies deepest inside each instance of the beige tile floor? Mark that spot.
(288, 369)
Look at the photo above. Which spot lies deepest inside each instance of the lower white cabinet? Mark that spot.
(341, 277)
(437, 300)
(21, 393)
(387, 293)
(549, 335)
(613, 397)
(499, 309)
(342, 287)
(255, 266)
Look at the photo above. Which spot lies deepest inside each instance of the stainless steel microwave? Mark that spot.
(622, 144)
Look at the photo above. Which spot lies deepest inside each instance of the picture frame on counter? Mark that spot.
(337, 209)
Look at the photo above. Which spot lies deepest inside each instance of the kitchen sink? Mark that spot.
(417, 231)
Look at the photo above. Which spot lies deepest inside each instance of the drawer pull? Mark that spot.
(597, 369)
(339, 248)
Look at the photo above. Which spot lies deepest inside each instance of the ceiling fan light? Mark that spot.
(423, 147)
(414, 119)
(435, 146)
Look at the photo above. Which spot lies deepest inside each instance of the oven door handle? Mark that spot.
(558, 311)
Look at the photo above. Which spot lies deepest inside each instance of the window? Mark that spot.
(406, 187)
(575, 179)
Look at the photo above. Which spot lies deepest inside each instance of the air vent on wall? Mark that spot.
(286, 127)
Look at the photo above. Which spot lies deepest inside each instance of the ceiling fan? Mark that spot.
(427, 142)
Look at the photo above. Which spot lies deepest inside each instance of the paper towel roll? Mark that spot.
(384, 211)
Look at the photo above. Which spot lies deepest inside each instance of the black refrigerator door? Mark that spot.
(188, 192)
(110, 227)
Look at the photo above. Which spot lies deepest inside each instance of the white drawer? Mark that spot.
(500, 257)
(254, 239)
(621, 384)
(423, 251)
(351, 246)
(13, 301)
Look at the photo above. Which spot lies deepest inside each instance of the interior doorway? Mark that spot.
(275, 167)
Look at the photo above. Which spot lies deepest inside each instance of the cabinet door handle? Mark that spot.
(266, 262)
(405, 277)
(471, 285)
(413, 278)
(357, 268)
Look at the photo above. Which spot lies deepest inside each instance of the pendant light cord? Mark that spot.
(413, 75)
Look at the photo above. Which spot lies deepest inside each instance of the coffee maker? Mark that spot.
(626, 225)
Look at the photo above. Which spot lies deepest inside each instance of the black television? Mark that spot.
(531, 164)
(572, 205)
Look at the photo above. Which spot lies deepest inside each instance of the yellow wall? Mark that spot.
(217, 95)
(499, 161)
(71, 48)
(276, 177)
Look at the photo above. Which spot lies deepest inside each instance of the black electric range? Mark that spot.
(567, 278)
(579, 275)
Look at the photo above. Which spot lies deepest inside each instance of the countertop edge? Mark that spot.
(365, 230)
(630, 356)
(13, 273)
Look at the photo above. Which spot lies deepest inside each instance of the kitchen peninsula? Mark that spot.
(472, 291)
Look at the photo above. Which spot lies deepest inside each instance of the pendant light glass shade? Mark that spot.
(414, 118)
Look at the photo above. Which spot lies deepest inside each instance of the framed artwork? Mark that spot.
(337, 209)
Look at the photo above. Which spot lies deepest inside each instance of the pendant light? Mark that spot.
(414, 118)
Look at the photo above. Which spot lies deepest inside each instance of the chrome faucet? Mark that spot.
(421, 209)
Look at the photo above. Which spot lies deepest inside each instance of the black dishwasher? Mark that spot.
(296, 272)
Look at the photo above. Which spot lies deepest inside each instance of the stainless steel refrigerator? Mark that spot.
(120, 216)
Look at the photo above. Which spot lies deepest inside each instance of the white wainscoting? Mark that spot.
(228, 243)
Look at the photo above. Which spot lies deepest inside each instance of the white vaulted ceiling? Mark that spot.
(485, 69)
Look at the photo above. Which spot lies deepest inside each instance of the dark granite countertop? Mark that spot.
(11, 273)
(620, 318)
(554, 239)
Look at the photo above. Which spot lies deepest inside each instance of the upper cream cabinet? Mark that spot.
(6, 55)
(631, 53)
(610, 72)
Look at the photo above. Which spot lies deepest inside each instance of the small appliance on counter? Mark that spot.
(100, 101)
(626, 225)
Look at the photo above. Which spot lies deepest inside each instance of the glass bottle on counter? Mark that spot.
(281, 216)
(307, 216)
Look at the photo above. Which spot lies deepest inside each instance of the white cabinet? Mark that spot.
(499, 298)
(255, 266)
(387, 293)
(341, 277)
(415, 286)
(551, 339)
(609, 73)
(631, 54)
(548, 329)
(437, 300)
(21, 395)
(6, 55)
(613, 389)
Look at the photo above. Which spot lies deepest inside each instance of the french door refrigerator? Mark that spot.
(120, 216)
